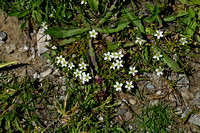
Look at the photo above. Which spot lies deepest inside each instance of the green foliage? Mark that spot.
(155, 118)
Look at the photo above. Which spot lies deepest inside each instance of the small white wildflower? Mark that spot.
(82, 65)
(118, 64)
(51, 15)
(113, 65)
(118, 86)
(115, 55)
(64, 62)
(132, 71)
(93, 33)
(71, 65)
(86, 77)
(83, 2)
(129, 85)
(157, 56)
(139, 40)
(54, 47)
(77, 73)
(183, 41)
(159, 71)
(158, 34)
(59, 59)
(44, 25)
(120, 55)
(108, 56)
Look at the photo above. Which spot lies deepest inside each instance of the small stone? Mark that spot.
(56, 72)
(178, 111)
(196, 100)
(195, 119)
(150, 86)
(132, 101)
(185, 113)
(183, 82)
(155, 102)
(26, 48)
(159, 92)
(3, 36)
(124, 100)
(186, 94)
(46, 73)
(128, 115)
(122, 111)
(130, 127)
(63, 88)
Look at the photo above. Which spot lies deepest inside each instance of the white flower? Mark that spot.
(77, 73)
(113, 65)
(118, 64)
(82, 65)
(157, 56)
(108, 56)
(71, 65)
(120, 55)
(44, 25)
(132, 70)
(158, 34)
(93, 33)
(86, 77)
(54, 47)
(129, 85)
(115, 55)
(118, 86)
(83, 2)
(139, 40)
(183, 41)
(159, 71)
(59, 59)
(51, 15)
(64, 62)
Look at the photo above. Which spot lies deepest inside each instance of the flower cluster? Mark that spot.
(79, 73)
(118, 85)
(117, 56)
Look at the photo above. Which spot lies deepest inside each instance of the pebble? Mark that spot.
(46, 73)
(185, 113)
(195, 119)
(122, 111)
(10, 49)
(3, 36)
(196, 100)
(132, 101)
(36, 75)
(159, 92)
(63, 88)
(150, 86)
(128, 115)
(183, 82)
(100, 118)
(178, 111)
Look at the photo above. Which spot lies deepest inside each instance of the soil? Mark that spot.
(31, 63)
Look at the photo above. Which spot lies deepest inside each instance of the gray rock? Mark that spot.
(46, 73)
(132, 101)
(195, 119)
(128, 115)
(183, 82)
(185, 113)
(3, 36)
(122, 111)
(150, 86)
(196, 100)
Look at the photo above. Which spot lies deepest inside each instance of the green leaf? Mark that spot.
(171, 63)
(7, 64)
(159, 19)
(181, 13)
(92, 55)
(119, 26)
(189, 31)
(183, 1)
(94, 4)
(150, 7)
(129, 44)
(194, 2)
(23, 24)
(170, 18)
(134, 19)
(111, 45)
(63, 33)
(67, 41)
(14, 13)
(152, 18)
(23, 14)
(191, 12)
